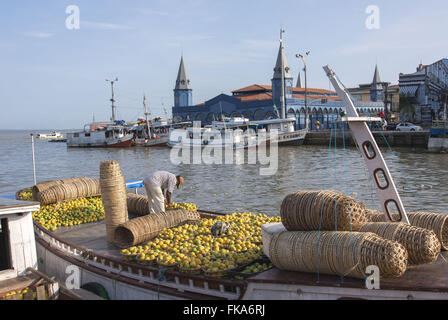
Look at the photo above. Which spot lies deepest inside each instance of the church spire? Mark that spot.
(299, 82)
(182, 81)
(281, 60)
(376, 76)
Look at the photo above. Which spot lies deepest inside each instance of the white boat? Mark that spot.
(99, 134)
(50, 136)
(240, 133)
(438, 137)
(155, 133)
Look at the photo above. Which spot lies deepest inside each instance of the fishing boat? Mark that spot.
(155, 133)
(50, 136)
(101, 134)
(438, 137)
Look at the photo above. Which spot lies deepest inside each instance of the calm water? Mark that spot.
(421, 178)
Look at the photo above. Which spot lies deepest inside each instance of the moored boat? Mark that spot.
(438, 137)
(50, 136)
(99, 134)
(86, 248)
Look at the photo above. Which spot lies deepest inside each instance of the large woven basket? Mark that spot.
(68, 189)
(113, 195)
(337, 253)
(422, 244)
(142, 229)
(437, 222)
(321, 210)
(137, 204)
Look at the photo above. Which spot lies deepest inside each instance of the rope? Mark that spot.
(323, 201)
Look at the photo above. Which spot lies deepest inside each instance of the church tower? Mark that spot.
(183, 94)
(376, 88)
(277, 80)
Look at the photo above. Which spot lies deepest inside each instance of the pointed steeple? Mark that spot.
(376, 88)
(376, 76)
(299, 82)
(182, 81)
(278, 66)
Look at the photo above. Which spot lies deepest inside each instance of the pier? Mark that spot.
(415, 139)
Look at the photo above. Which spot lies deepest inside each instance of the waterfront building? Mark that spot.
(261, 101)
(379, 91)
(426, 92)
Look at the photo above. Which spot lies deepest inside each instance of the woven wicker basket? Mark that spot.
(113, 195)
(321, 210)
(145, 228)
(68, 189)
(422, 244)
(337, 253)
(437, 222)
(137, 204)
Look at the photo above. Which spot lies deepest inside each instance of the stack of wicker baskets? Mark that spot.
(337, 253)
(142, 229)
(113, 194)
(68, 189)
(436, 222)
(322, 210)
(422, 244)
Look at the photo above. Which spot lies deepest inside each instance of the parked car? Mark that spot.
(407, 126)
(391, 126)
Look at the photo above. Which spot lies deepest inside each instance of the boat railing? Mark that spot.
(182, 282)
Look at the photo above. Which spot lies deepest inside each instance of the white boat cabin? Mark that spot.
(17, 243)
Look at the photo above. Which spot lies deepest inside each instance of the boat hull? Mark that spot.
(438, 145)
(158, 142)
(127, 280)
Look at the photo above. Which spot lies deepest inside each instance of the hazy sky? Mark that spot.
(52, 77)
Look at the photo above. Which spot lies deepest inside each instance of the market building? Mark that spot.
(261, 101)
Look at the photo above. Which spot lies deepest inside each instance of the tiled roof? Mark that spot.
(264, 88)
(314, 97)
(253, 97)
(254, 87)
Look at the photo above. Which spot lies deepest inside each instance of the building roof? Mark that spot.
(257, 96)
(267, 88)
(281, 61)
(182, 81)
(254, 87)
(314, 97)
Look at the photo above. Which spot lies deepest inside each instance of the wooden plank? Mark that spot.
(41, 294)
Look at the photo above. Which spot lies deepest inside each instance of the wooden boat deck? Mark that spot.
(91, 236)
(428, 277)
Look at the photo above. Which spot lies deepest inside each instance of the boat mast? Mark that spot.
(112, 99)
(282, 96)
(147, 113)
(384, 184)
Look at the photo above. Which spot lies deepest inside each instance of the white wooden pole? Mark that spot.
(34, 161)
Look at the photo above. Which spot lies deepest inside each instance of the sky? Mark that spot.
(54, 78)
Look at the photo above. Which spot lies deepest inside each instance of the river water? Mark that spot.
(422, 179)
